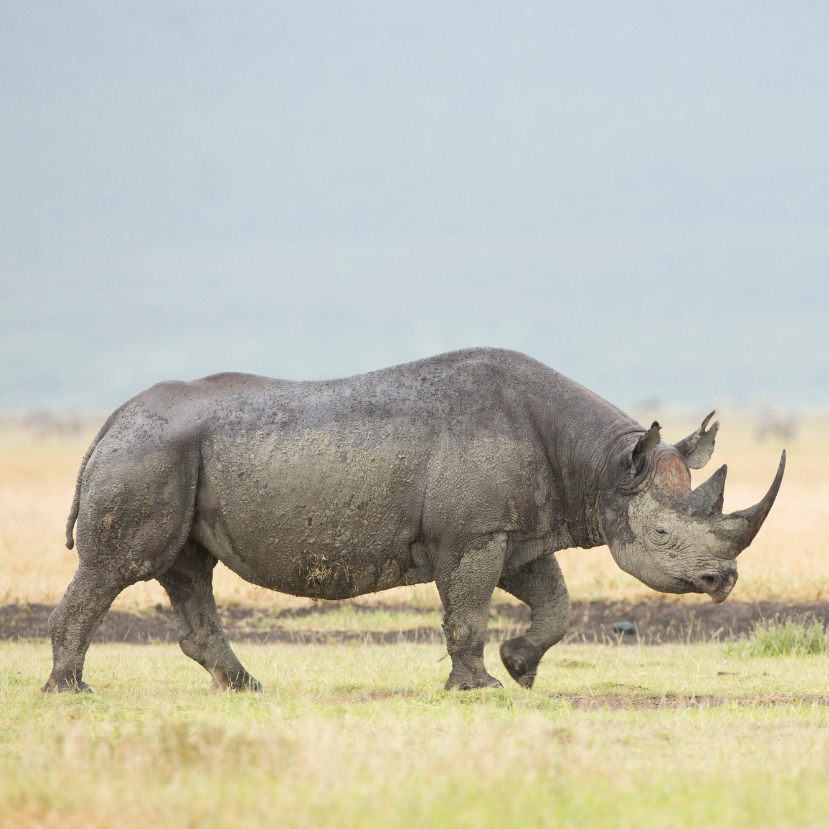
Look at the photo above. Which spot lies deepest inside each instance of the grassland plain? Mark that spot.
(677, 736)
(360, 735)
(789, 560)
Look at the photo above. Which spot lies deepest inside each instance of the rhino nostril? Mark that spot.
(711, 584)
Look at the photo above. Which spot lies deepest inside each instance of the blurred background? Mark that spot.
(635, 193)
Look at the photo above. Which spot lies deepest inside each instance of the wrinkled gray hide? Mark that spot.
(469, 469)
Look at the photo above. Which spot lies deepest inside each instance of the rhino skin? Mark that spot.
(469, 469)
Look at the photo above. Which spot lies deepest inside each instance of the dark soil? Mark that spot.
(654, 622)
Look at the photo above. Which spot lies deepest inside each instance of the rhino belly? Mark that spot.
(312, 516)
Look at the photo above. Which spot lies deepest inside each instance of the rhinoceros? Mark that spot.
(469, 469)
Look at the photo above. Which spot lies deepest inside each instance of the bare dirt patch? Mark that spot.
(591, 622)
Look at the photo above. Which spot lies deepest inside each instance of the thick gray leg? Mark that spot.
(541, 585)
(73, 624)
(189, 584)
(465, 584)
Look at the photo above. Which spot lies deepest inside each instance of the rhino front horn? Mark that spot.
(742, 526)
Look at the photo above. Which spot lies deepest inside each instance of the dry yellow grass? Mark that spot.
(788, 561)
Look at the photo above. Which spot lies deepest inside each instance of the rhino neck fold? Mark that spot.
(583, 436)
(582, 517)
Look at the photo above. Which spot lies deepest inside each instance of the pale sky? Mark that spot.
(635, 193)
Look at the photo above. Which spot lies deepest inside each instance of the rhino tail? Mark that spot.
(76, 501)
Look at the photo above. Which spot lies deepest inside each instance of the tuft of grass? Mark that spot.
(785, 637)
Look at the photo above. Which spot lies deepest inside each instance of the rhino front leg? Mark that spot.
(466, 590)
(189, 584)
(540, 584)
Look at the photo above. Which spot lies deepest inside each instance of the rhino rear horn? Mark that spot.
(698, 447)
(645, 444)
(744, 525)
(707, 498)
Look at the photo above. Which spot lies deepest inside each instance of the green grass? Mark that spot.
(363, 736)
(774, 637)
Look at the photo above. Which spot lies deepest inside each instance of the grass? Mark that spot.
(774, 637)
(363, 736)
(789, 560)
(356, 735)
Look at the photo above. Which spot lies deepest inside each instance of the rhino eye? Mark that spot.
(661, 531)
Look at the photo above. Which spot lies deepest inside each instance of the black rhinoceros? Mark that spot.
(469, 469)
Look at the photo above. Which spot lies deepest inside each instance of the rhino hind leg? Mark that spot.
(189, 584)
(134, 509)
(465, 589)
(540, 584)
(73, 624)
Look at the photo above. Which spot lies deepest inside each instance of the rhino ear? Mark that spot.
(698, 447)
(646, 443)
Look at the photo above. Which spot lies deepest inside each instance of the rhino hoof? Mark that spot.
(473, 686)
(65, 686)
(471, 682)
(521, 664)
(222, 683)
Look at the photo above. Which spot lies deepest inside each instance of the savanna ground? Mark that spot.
(355, 734)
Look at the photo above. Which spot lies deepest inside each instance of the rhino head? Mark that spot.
(673, 538)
